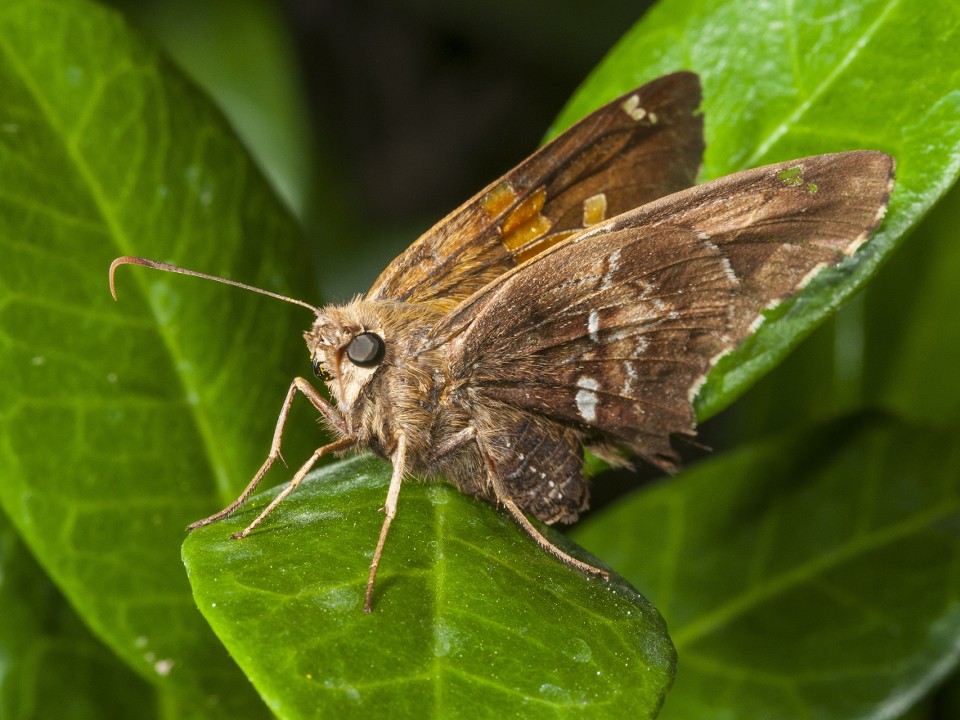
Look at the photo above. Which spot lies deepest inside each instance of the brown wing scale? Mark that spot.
(642, 146)
(612, 331)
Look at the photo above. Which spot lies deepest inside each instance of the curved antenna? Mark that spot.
(156, 265)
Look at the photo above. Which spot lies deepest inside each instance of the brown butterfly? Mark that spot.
(579, 301)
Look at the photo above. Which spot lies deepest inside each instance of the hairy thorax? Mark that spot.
(409, 390)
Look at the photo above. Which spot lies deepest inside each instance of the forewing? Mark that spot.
(640, 147)
(614, 330)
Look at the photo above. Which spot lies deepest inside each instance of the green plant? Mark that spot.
(807, 573)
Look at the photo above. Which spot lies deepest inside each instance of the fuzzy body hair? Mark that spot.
(414, 390)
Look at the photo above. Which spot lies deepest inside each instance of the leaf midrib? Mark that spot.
(784, 127)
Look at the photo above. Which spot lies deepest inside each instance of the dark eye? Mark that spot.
(366, 350)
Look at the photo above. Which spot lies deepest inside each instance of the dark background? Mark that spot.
(384, 115)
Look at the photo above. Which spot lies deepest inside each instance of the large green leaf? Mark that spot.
(813, 575)
(785, 79)
(470, 619)
(50, 666)
(120, 423)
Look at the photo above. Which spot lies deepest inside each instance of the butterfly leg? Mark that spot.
(454, 442)
(336, 446)
(329, 412)
(390, 511)
(503, 497)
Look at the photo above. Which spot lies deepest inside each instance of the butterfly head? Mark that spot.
(347, 347)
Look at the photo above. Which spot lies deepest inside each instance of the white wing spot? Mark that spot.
(695, 388)
(587, 398)
(613, 264)
(762, 315)
(593, 325)
(726, 351)
(862, 237)
(630, 381)
(810, 275)
(728, 271)
(631, 106)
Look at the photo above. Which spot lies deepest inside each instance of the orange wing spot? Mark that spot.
(594, 209)
(528, 232)
(499, 199)
(525, 210)
(538, 246)
(526, 223)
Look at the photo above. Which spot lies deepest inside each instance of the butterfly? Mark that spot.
(577, 302)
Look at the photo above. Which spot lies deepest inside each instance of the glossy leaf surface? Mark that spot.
(470, 619)
(121, 423)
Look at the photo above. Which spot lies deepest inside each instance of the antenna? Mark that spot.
(156, 265)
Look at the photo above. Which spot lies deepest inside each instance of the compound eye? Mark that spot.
(319, 370)
(366, 349)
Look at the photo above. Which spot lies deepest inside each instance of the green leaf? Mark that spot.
(50, 666)
(470, 618)
(813, 575)
(948, 700)
(247, 64)
(784, 80)
(910, 353)
(122, 422)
